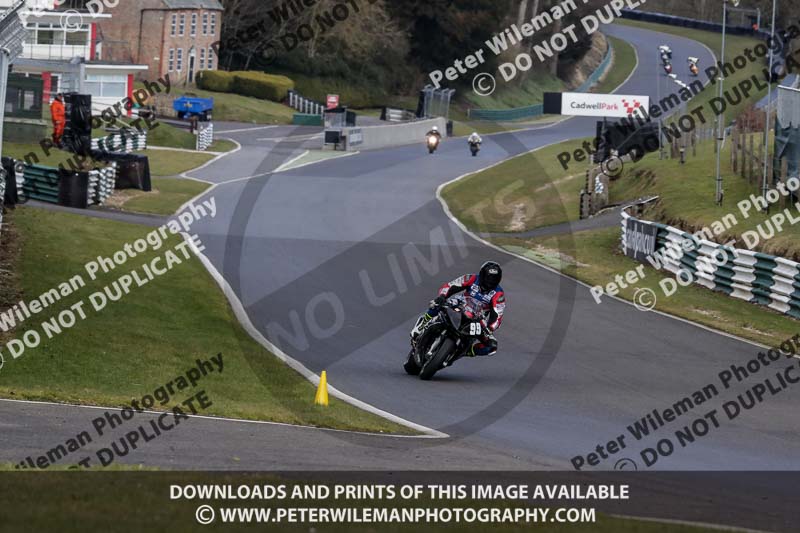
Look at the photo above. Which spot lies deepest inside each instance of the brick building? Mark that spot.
(169, 36)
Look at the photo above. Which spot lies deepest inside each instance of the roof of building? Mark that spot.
(193, 4)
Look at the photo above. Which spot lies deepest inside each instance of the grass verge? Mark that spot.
(150, 337)
(174, 163)
(528, 191)
(624, 63)
(167, 196)
(596, 259)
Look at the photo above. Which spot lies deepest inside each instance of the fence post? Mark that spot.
(743, 153)
(752, 160)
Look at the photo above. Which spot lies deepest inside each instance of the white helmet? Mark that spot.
(435, 128)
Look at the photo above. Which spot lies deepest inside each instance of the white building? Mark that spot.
(64, 50)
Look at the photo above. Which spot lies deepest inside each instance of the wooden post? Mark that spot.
(752, 159)
(783, 177)
(743, 153)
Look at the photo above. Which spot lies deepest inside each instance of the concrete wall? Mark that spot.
(393, 134)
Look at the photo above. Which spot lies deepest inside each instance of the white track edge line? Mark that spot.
(244, 320)
(212, 417)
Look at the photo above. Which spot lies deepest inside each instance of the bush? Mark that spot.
(261, 85)
(215, 80)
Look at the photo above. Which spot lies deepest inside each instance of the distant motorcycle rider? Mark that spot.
(434, 131)
(474, 138)
(482, 293)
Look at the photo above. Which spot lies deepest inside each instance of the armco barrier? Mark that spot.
(751, 276)
(205, 136)
(371, 137)
(43, 183)
(121, 142)
(533, 111)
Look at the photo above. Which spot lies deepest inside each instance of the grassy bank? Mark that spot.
(529, 191)
(624, 63)
(149, 337)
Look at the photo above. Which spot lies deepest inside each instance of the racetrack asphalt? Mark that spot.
(332, 263)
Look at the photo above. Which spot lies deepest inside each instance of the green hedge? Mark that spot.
(215, 80)
(246, 83)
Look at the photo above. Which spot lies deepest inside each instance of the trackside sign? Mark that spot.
(595, 105)
(640, 240)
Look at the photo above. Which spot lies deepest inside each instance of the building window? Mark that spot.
(107, 85)
(174, 27)
(182, 28)
(193, 27)
(77, 38)
(171, 64)
(210, 58)
(202, 59)
(179, 65)
(205, 23)
(213, 24)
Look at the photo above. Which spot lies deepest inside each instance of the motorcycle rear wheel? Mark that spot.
(434, 364)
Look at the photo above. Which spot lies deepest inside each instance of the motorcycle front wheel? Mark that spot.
(435, 363)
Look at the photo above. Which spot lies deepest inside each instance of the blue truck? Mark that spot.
(190, 105)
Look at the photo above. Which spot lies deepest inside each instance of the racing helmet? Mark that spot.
(435, 128)
(490, 276)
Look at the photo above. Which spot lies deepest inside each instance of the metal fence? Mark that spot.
(537, 110)
(305, 105)
(123, 141)
(39, 182)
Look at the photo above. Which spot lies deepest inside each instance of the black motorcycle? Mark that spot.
(474, 148)
(445, 340)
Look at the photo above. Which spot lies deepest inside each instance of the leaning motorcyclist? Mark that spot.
(482, 292)
(474, 138)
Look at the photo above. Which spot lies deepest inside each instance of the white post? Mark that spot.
(5, 60)
(721, 117)
(764, 185)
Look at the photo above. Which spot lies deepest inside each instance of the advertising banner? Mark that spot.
(595, 105)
